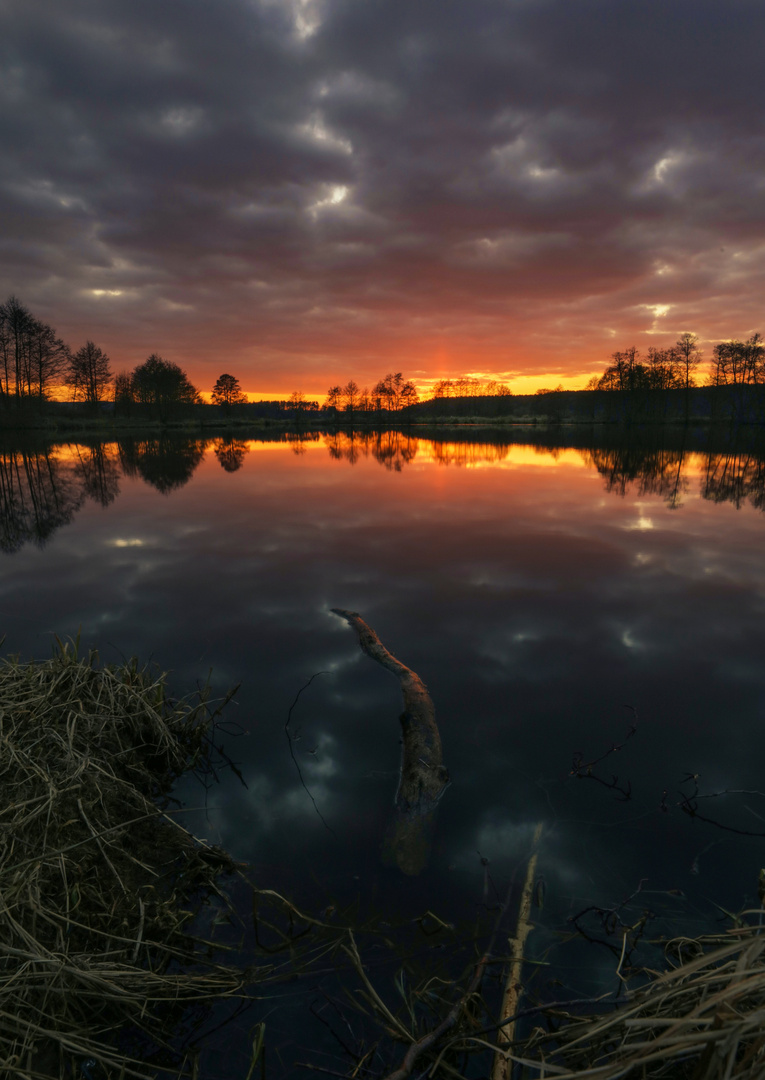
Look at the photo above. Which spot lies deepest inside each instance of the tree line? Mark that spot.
(35, 362)
(671, 368)
(392, 393)
(733, 363)
(34, 359)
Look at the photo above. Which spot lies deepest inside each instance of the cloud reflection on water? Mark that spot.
(530, 605)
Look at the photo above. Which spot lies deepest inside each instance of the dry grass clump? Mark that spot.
(98, 884)
(704, 1019)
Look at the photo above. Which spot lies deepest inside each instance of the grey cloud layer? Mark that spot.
(306, 179)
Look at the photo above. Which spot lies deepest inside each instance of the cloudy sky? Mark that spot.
(301, 191)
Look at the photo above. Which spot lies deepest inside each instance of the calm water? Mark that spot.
(537, 589)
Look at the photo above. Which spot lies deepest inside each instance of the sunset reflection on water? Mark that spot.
(43, 488)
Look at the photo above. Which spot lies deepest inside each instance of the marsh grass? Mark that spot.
(99, 884)
(703, 1018)
(106, 974)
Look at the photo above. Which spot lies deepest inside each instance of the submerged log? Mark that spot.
(423, 778)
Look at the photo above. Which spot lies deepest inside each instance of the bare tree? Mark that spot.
(350, 395)
(409, 395)
(394, 392)
(664, 369)
(89, 373)
(333, 397)
(735, 362)
(444, 388)
(689, 357)
(33, 358)
(16, 324)
(659, 370)
(49, 359)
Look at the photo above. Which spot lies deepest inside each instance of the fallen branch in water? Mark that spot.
(423, 776)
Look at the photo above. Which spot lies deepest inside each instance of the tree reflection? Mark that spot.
(38, 494)
(466, 453)
(396, 449)
(650, 471)
(392, 449)
(735, 477)
(165, 463)
(41, 488)
(98, 469)
(230, 453)
(298, 440)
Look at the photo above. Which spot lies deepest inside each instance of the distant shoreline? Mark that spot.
(737, 404)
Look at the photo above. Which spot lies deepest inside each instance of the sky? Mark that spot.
(300, 192)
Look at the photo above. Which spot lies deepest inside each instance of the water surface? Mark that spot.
(550, 592)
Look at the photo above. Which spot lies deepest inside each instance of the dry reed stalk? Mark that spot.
(513, 987)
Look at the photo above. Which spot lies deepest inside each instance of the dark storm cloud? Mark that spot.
(292, 180)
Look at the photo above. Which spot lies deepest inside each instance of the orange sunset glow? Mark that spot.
(304, 193)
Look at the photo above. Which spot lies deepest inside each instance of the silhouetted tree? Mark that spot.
(33, 359)
(689, 357)
(625, 372)
(16, 324)
(48, 361)
(663, 369)
(227, 392)
(333, 397)
(409, 395)
(394, 392)
(738, 362)
(89, 373)
(350, 395)
(163, 384)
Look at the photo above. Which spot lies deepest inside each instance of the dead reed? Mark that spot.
(101, 965)
(98, 883)
(701, 1019)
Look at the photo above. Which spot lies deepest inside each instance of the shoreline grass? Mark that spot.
(98, 881)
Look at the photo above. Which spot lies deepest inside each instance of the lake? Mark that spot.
(587, 610)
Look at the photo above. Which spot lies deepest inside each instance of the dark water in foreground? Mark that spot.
(537, 589)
